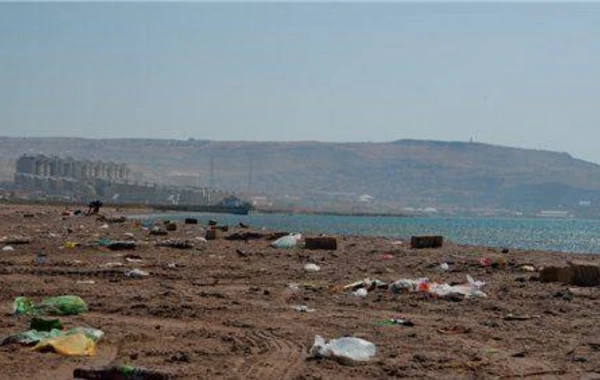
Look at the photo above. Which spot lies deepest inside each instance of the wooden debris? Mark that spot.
(321, 242)
(419, 242)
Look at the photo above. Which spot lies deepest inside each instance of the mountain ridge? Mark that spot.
(406, 172)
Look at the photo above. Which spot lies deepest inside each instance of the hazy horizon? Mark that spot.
(514, 74)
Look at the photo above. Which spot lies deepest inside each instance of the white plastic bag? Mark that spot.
(470, 290)
(310, 267)
(288, 241)
(346, 347)
(136, 273)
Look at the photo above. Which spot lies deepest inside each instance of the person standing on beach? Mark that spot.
(94, 207)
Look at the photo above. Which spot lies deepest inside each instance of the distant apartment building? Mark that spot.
(84, 179)
(44, 166)
(64, 176)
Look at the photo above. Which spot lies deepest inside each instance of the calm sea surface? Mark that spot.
(567, 235)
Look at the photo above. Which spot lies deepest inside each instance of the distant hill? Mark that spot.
(407, 172)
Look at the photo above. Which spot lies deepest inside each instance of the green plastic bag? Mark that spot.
(104, 242)
(61, 305)
(22, 305)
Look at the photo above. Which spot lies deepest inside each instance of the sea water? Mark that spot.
(566, 235)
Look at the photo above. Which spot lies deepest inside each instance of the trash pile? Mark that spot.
(78, 341)
(48, 334)
(472, 289)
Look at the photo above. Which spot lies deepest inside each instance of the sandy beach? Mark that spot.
(224, 309)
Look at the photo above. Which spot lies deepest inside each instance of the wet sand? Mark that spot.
(211, 312)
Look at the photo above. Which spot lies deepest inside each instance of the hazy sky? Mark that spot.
(514, 74)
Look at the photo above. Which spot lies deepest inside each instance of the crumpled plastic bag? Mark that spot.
(409, 285)
(347, 347)
(288, 241)
(61, 305)
(136, 273)
(71, 244)
(92, 333)
(34, 336)
(104, 242)
(470, 290)
(69, 345)
(311, 267)
(31, 336)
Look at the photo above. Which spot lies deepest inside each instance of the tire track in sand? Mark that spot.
(105, 355)
(277, 357)
(270, 355)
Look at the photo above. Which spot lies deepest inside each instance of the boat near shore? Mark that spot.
(219, 209)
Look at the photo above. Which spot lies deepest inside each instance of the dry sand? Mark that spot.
(218, 314)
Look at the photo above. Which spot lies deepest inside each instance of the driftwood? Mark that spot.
(121, 246)
(244, 236)
(178, 244)
(16, 240)
(419, 242)
(321, 242)
(576, 273)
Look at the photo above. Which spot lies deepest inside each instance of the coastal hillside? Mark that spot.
(406, 172)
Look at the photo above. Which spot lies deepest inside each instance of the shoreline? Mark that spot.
(267, 211)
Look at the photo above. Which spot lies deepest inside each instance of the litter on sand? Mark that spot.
(471, 289)
(346, 347)
(288, 241)
(61, 305)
